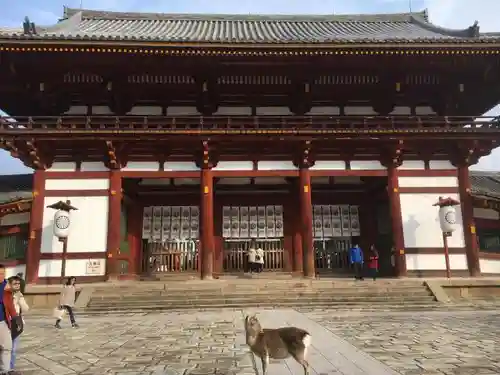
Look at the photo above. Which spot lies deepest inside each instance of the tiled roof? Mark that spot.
(485, 184)
(245, 29)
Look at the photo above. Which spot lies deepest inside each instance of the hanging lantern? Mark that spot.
(62, 218)
(447, 214)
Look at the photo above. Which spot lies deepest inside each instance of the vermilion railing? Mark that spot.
(252, 124)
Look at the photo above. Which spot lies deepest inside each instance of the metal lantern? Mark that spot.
(62, 218)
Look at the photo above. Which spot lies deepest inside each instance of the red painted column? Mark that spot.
(307, 221)
(470, 237)
(114, 217)
(207, 224)
(298, 255)
(397, 222)
(35, 227)
(134, 236)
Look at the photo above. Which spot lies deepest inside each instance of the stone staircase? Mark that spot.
(344, 295)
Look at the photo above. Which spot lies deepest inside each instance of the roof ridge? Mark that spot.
(113, 15)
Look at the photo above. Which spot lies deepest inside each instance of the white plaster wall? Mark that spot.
(277, 165)
(486, 213)
(177, 166)
(359, 111)
(359, 165)
(421, 222)
(412, 182)
(401, 111)
(12, 271)
(89, 225)
(77, 184)
(50, 268)
(234, 166)
(233, 111)
(93, 166)
(142, 166)
(441, 164)
(182, 111)
(101, 110)
(62, 167)
(77, 110)
(435, 262)
(15, 219)
(323, 165)
(273, 111)
(78, 267)
(489, 265)
(145, 111)
(412, 165)
(327, 111)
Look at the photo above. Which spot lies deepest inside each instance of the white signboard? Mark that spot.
(94, 267)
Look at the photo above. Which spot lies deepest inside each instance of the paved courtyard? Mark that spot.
(199, 343)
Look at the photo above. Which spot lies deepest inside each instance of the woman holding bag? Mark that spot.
(67, 302)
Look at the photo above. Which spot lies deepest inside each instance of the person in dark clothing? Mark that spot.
(23, 282)
(373, 262)
(357, 260)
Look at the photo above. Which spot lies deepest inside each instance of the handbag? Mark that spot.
(58, 312)
(16, 326)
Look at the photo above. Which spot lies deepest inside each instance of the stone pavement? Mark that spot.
(431, 343)
(199, 343)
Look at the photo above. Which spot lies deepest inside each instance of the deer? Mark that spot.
(277, 343)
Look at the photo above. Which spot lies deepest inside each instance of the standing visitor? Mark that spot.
(23, 282)
(8, 320)
(67, 301)
(356, 260)
(21, 307)
(251, 254)
(373, 262)
(259, 259)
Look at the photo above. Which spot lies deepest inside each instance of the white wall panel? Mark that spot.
(62, 167)
(77, 184)
(50, 268)
(367, 165)
(93, 166)
(412, 165)
(78, 267)
(12, 271)
(489, 265)
(441, 164)
(413, 182)
(276, 165)
(421, 222)
(142, 166)
(325, 165)
(180, 166)
(89, 225)
(418, 262)
(234, 166)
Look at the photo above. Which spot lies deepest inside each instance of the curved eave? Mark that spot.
(333, 43)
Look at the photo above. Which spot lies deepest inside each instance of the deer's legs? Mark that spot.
(300, 358)
(265, 364)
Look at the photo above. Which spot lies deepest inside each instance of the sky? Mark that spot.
(447, 13)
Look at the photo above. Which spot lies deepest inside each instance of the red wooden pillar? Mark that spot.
(307, 221)
(470, 237)
(207, 223)
(35, 227)
(134, 236)
(114, 217)
(298, 255)
(397, 222)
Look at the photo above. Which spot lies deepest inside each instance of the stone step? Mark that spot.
(274, 294)
(271, 300)
(215, 306)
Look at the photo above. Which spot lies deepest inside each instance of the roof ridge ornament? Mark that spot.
(28, 27)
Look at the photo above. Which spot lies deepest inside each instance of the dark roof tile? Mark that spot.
(285, 29)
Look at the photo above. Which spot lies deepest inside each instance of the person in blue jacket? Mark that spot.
(356, 259)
